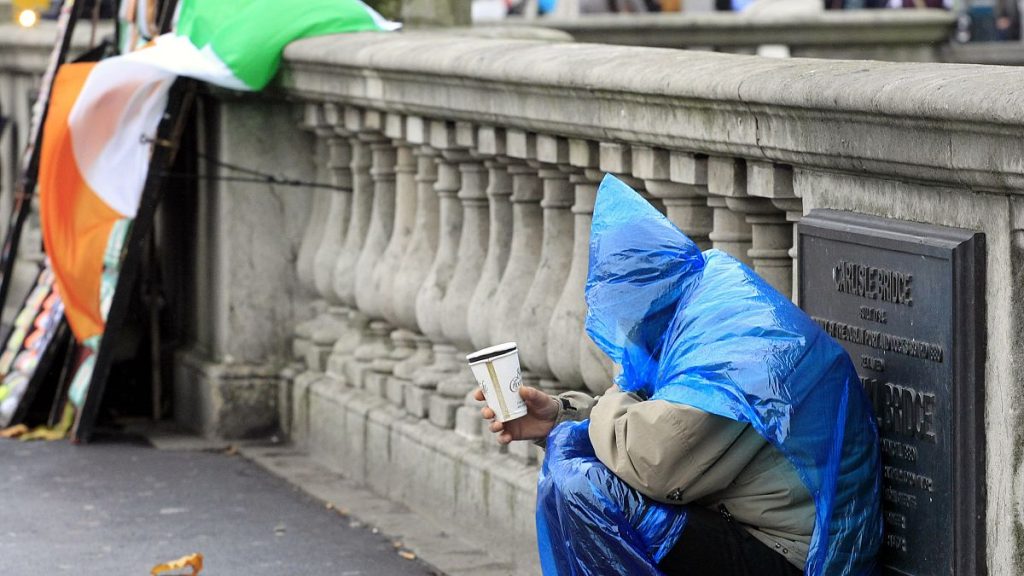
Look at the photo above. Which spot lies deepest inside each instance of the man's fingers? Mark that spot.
(479, 395)
(496, 426)
(504, 438)
(487, 413)
(535, 399)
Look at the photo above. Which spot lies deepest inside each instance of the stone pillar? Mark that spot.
(333, 322)
(617, 159)
(567, 321)
(370, 278)
(469, 263)
(482, 317)
(227, 383)
(491, 144)
(389, 268)
(553, 269)
(770, 233)
(355, 235)
(727, 178)
(685, 203)
(312, 121)
(430, 298)
(775, 182)
(414, 268)
(527, 235)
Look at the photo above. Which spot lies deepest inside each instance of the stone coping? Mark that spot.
(957, 125)
(727, 29)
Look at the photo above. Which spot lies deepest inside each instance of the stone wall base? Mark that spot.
(459, 482)
(229, 401)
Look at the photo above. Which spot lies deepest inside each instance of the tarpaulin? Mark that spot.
(704, 330)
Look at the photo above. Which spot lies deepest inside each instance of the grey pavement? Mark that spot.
(120, 507)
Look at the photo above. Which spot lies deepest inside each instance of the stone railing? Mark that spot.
(892, 35)
(463, 174)
(457, 181)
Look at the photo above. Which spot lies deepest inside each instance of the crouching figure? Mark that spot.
(735, 440)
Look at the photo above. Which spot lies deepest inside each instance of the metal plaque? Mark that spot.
(906, 300)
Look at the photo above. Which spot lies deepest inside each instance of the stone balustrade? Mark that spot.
(893, 35)
(460, 174)
(485, 239)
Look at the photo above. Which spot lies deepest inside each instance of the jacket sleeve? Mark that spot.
(669, 452)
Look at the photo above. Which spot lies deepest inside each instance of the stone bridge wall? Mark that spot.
(462, 173)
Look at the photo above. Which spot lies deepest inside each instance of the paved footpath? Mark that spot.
(119, 507)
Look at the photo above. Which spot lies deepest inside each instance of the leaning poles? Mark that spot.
(26, 184)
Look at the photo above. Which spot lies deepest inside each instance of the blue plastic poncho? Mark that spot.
(704, 330)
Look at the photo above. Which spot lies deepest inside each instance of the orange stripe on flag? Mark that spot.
(76, 222)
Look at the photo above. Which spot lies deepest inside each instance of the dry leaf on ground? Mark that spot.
(193, 561)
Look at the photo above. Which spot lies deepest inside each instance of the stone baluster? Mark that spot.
(771, 236)
(490, 144)
(413, 270)
(727, 178)
(527, 237)
(524, 253)
(553, 268)
(430, 298)
(470, 261)
(617, 159)
(401, 340)
(313, 121)
(334, 321)
(355, 236)
(370, 278)
(567, 320)
(685, 203)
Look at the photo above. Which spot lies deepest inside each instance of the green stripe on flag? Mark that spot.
(250, 35)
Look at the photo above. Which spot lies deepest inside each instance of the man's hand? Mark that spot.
(541, 413)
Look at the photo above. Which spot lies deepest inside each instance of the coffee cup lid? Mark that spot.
(491, 352)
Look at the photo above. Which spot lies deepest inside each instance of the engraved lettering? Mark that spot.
(899, 450)
(896, 542)
(872, 363)
(881, 340)
(873, 314)
(873, 283)
(907, 478)
(896, 520)
(899, 498)
(901, 409)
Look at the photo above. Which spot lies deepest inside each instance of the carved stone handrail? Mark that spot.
(836, 33)
(957, 125)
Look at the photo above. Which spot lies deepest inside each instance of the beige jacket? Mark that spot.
(678, 454)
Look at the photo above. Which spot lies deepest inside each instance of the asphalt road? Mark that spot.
(120, 507)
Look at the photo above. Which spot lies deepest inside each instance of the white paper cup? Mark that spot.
(497, 371)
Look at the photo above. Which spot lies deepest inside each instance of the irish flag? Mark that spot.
(103, 117)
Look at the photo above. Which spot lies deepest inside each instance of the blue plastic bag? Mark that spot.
(704, 330)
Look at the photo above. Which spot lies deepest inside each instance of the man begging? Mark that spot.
(736, 440)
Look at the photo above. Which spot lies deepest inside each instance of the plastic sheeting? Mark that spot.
(704, 330)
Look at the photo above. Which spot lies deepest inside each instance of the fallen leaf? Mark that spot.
(231, 450)
(406, 554)
(13, 431)
(193, 561)
(58, 432)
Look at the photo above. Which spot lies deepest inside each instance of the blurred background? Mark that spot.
(976, 20)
